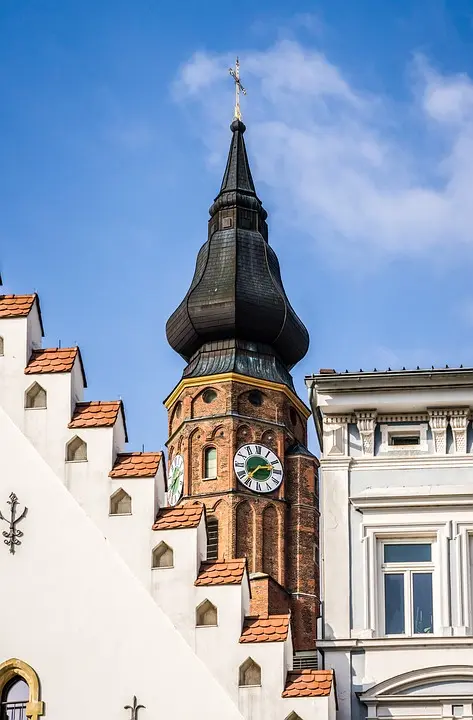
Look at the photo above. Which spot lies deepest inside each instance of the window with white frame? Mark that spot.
(404, 437)
(407, 587)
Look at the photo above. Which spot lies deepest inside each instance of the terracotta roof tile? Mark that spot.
(52, 360)
(16, 305)
(95, 414)
(136, 464)
(271, 629)
(308, 683)
(177, 518)
(221, 572)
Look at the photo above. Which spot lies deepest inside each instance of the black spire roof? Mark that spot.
(236, 315)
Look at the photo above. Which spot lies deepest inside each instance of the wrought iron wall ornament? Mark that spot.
(134, 708)
(12, 535)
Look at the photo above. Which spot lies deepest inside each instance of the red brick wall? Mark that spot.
(278, 533)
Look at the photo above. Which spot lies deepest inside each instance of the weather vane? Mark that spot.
(235, 73)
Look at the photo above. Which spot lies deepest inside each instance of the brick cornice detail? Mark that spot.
(235, 377)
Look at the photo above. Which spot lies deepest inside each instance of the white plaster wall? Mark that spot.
(335, 550)
(173, 588)
(80, 618)
(12, 366)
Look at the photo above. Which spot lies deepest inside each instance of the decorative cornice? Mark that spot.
(404, 500)
(409, 462)
(339, 419)
(431, 641)
(403, 417)
(235, 377)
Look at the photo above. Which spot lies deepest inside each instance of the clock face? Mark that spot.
(176, 480)
(258, 468)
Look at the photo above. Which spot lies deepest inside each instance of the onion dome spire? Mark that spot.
(236, 315)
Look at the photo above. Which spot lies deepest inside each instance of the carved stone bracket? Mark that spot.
(366, 421)
(459, 418)
(438, 418)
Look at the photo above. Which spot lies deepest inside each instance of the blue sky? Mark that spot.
(113, 134)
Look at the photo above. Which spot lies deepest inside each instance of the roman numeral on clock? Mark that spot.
(241, 474)
(258, 449)
(239, 464)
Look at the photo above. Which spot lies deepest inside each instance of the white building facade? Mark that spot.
(396, 500)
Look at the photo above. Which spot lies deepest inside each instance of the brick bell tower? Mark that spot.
(237, 429)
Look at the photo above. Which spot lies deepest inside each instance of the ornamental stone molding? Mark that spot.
(366, 422)
(335, 434)
(459, 419)
(402, 417)
(438, 419)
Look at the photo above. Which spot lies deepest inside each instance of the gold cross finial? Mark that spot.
(235, 73)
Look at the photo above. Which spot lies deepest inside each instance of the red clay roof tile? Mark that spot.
(136, 465)
(308, 683)
(271, 629)
(221, 572)
(95, 414)
(52, 360)
(16, 305)
(180, 517)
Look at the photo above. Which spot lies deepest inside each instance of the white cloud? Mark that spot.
(352, 170)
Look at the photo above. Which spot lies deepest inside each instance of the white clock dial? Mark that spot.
(258, 468)
(176, 480)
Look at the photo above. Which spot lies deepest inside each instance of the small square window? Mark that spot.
(457, 711)
(227, 222)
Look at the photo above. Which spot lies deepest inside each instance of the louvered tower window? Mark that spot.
(212, 538)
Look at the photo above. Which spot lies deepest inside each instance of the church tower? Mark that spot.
(237, 429)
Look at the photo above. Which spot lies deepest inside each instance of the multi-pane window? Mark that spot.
(407, 583)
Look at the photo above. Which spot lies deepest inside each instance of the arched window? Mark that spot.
(19, 691)
(163, 556)
(76, 450)
(35, 397)
(206, 614)
(15, 696)
(120, 503)
(2, 345)
(212, 538)
(250, 673)
(210, 463)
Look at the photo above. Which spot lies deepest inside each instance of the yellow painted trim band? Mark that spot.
(236, 377)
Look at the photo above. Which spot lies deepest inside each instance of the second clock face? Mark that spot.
(258, 468)
(176, 480)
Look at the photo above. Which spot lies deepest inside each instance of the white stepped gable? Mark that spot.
(104, 565)
(106, 639)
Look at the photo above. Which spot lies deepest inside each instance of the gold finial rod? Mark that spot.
(235, 73)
